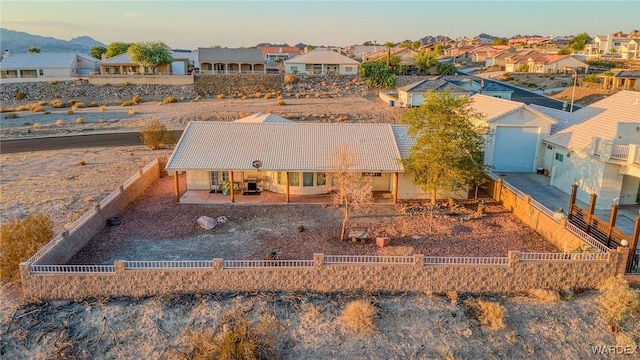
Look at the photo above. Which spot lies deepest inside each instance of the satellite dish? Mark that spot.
(257, 164)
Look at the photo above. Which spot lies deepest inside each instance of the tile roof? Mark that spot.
(492, 107)
(291, 50)
(629, 74)
(264, 118)
(40, 60)
(230, 55)
(564, 119)
(208, 145)
(321, 57)
(432, 84)
(622, 107)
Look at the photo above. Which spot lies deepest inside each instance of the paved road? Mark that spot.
(528, 97)
(72, 141)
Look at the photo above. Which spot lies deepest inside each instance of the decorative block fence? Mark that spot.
(44, 276)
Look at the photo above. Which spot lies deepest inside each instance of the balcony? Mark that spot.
(607, 151)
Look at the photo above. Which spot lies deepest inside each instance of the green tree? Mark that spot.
(446, 69)
(150, 54)
(33, 50)
(439, 49)
(426, 60)
(97, 51)
(499, 41)
(378, 75)
(309, 48)
(389, 46)
(447, 155)
(565, 51)
(116, 48)
(579, 41)
(416, 45)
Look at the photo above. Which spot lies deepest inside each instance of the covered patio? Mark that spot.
(269, 198)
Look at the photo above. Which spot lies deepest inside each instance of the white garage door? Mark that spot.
(515, 149)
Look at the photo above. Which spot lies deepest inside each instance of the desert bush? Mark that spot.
(71, 102)
(57, 104)
(257, 95)
(280, 103)
(220, 96)
(237, 339)
(290, 78)
(59, 122)
(487, 313)
(93, 104)
(544, 295)
(20, 95)
(11, 116)
(77, 106)
(82, 163)
(267, 96)
(38, 109)
(102, 107)
(136, 99)
(244, 97)
(132, 111)
(126, 103)
(617, 300)
(591, 79)
(23, 108)
(69, 112)
(169, 100)
(37, 126)
(156, 136)
(54, 82)
(79, 120)
(19, 239)
(357, 316)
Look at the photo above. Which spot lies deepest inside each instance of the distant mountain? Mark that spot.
(434, 39)
(18, 42)
(486, 36)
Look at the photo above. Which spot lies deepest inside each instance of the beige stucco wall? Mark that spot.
(516, 276)
(407, 190)
(198, 180)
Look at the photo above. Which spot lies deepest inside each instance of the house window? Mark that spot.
(372, 174)
(281, 179)
(321, 179)
(219, 176)
(559, 157)
(307, 179)
(41, 72)
(521, 114)
(294, 68)
(348, 69)
(294, 179)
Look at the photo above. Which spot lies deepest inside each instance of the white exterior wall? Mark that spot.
(348, 69)
(57, 73)
(198, 180)
(629, 191)
(528, 120)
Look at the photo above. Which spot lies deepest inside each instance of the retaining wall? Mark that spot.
(72, 240)
(514, 276)
(141, 80)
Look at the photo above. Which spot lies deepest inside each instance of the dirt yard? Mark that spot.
(156, 228)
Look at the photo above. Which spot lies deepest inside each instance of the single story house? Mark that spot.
(231, 61)
(123, 65)
(47, 66)
(597, 148)
(321, 61)
(291, 158)
(413, 94)
(279, 53)
(516, 131)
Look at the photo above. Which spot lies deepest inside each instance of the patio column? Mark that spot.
(395, 188)
(286, 190)
(572, 199)
(176, 186)
(233, 195)
(592, 208)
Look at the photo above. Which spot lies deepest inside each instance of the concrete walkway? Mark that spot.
(537, 186)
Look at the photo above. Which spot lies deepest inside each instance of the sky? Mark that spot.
(192, 24)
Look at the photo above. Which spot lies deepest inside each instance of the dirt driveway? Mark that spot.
(155, 228)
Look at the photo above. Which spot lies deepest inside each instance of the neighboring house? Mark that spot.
(625, 46)
(625, 79)
(526, 41)
(123, 65)
(46, 66)
(413, 94)
(406, 57)
(279, 53)
(553, 45)
(359, 52)
(291, 158)
(540, 63)
(598, 148)
(514, 142)
(321, 62)
(231, 61)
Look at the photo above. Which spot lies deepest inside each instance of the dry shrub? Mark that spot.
(244, 97)
(257, 95)
(47, 112)
(298, 96)
(452, 296)
(279, 97)
(237, 339)
(357, 316)
(59, 122)
(38, 109)
(290, 79)
(280, 103)
(93, 104)
(20, 96)
(19, 239)
(308, 96)
(132, 111)
(82, 163)
(156, 136)
(220, 96)
(169, 100)
(136, 99)
(487, 313)
(71, 102)
(77, 106)
(544, 295)
(57, 104)
(69, 112)
(37, 126)
(11, 116)
(267, 96)
(79, 121)
(102, 107)
(128, 103)
(617, 300)
(242, 114)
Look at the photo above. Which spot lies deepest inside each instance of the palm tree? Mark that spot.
(613, 52)
(389, 46)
